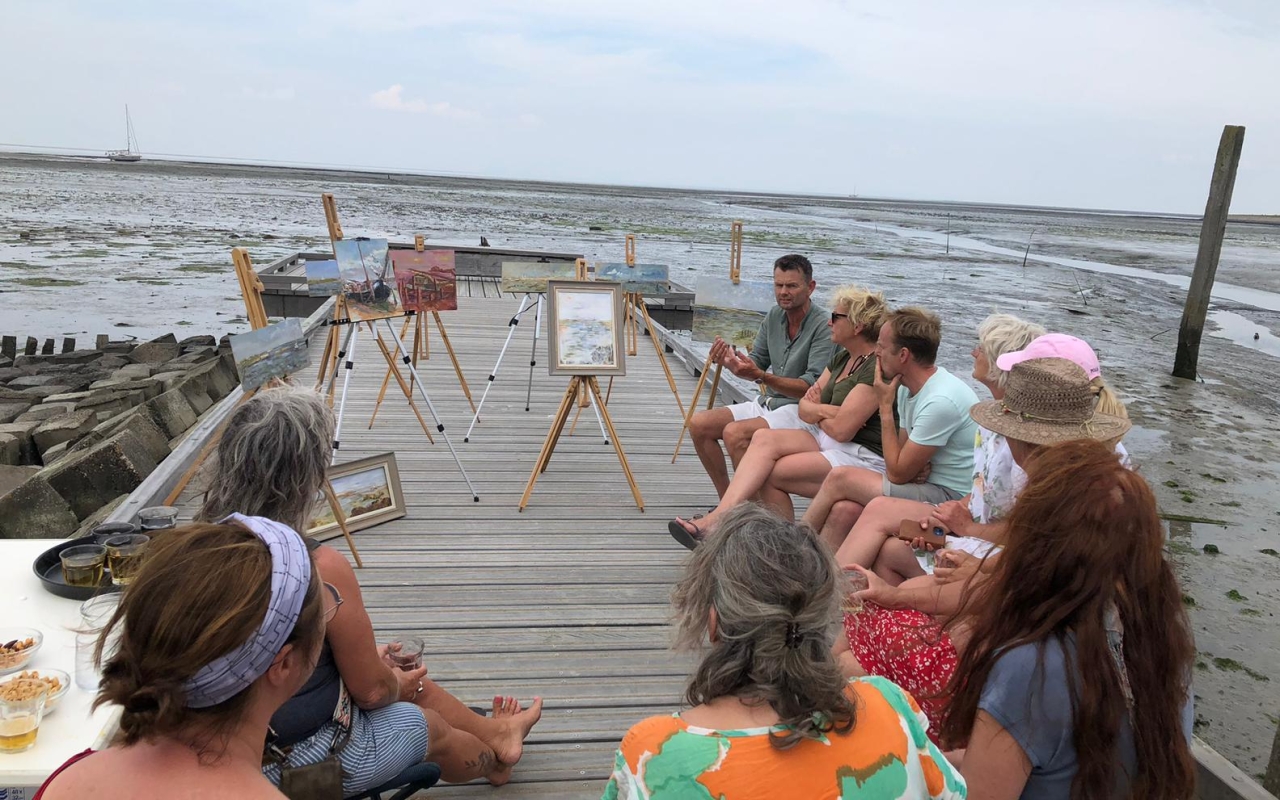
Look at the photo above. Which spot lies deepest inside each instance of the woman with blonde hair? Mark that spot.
(835, 424)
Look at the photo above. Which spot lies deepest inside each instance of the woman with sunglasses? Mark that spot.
(378, 719)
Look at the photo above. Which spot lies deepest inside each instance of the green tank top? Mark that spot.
(835, 392)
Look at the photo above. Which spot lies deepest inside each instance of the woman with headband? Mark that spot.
(222, 624)
(376, 718)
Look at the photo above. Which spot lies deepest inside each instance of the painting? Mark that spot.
(272, 352)
(323, 278)
(426, 281)
(646, 279)
(530, 277)
(368, 491)
(731, 311)
(585, 328)
(367, 282)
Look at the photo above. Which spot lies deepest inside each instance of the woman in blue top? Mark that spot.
(1076, 679)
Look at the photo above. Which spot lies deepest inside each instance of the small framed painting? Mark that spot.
(368, 491)
(585, 328)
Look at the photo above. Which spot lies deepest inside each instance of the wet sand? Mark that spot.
(85, 246)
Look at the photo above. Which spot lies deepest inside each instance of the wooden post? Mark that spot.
(735, 251)
(631, 250)
(1211, 232)
(1271, 781)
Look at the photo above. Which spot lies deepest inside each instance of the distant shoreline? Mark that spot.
(153, 165)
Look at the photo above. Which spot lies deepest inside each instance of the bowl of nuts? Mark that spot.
(57, 682)
(17, 646)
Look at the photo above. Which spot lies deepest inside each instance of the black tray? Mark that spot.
(48, 568)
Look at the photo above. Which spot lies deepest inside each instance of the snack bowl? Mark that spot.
(17, 658)
(52, 699)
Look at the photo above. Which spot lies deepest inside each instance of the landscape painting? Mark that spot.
(323, 278)
(530, 277)
(427, 280)
(731, 311)
(367, 281)
(368, 492)
(585, 329)
(646, 279)
(275, 351)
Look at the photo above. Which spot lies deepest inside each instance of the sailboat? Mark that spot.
(131, 152)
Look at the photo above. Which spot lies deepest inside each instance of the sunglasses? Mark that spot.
(331, 609)
(835, 316)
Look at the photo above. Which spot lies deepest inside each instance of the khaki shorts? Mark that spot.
(920, 492)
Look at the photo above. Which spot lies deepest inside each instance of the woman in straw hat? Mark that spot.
(896, 632)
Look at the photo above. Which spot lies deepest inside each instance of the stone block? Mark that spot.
(10, 450)
(12, 409)
(198, 356)
(47, 350)
(27, 381)
(9, 373)
(45, 411)
(56, 452)
(65, 428)
(141, 424)
(13, 477)
(101, 341)
(72, 397)
(32, 344)
(134, 371)
(33, 510)
(5, 362)
(68, 344)
(108, 404)
(171, 412)
(75, 356)
(112, 362)
(9, 346)
(40, 393)
(153, 353)
(168, 380)
(204, 340)
(98, 517)
(196, 396)
(22, 432)
(90, 479)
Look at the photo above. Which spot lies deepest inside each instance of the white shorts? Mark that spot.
(784, 418)
(849, 454)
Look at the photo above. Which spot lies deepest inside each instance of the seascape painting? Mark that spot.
(275, 351)
(323, 278)
(731, 311)
(645, 279)
(585, 328)
(367, 281)
(427, 280)
(368, 492)
(530, 277)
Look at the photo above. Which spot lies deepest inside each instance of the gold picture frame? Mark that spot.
(369, 492)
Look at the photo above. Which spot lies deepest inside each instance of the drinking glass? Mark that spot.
(21, 709)
(124, 555)
(409, 657)
(82, 565)
(158, 518)
(94, 615)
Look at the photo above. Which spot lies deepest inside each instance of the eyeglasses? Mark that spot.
(835, 316)
(331, 609)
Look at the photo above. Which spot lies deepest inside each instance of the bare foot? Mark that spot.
(516, 723)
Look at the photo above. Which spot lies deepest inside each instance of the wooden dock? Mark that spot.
(568, 599)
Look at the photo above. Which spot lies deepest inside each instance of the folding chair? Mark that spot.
(417, 778)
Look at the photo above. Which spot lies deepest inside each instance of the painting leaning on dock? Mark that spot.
(585, 328)
(521, 277)
(731, 311)
(647, 279)
(272, 352)
(367, 281)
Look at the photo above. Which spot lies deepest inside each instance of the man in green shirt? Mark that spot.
(791, 350)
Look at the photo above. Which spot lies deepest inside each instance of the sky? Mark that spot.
(1091, 103)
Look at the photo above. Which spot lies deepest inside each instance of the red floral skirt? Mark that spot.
(909, 648)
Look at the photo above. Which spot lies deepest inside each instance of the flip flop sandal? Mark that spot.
(681, 534)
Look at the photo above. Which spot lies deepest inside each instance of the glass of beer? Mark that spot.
(124, 554)
(82, 565)
(158, 518)
(409, 656)
(21, 709)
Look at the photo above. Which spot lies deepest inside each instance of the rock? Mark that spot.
(10, 450)
(198, 356)
(68, 344)
(168, 380)
(5, 362)
(98, 517)
(22, 432)
(141, 424)
(47, 350)
(71, 397)
(92, 478)
(33, 510)
(74, 356)
(32, 344)
(134, 371)
(45, 392)
(109, 404)
(12, 409)
(9, 373)
(9, 346)
(27, 381)
(54, 453)
(65, 428)
(13, 477)
(113, 362)
(153, 353)
(193, 390)
(204, 340)
(171, 412)
(46, 411)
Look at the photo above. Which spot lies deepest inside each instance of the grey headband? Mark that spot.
(233, 672)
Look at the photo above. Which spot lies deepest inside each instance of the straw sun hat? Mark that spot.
(1048, 400)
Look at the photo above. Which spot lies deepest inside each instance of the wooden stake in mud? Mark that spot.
(1211, 233)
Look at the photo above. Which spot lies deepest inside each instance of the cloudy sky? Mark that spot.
(1090, 103)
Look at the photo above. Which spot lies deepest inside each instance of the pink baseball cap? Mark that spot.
(1055, 345)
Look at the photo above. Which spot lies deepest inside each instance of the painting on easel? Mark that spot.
(275, 351)
(323, 278)
(530, 277)
(427, 280)
(646, 279)
(731, 311)
(586, 328)
(367, 282)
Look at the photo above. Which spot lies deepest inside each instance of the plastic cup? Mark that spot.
(83, 564)
(21, 710)
(124, 556)
(158, 518)
(409, 656)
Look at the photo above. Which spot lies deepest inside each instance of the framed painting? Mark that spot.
(368, 491)
(367, 281)
(275, 351)
(585, 328)
(530, 277)
(732, 311)
(646, 279)
(426, 281)
(323, 278)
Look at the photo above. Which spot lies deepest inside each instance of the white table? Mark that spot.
(24, 602)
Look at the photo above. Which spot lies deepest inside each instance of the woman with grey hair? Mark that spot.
(771, 714)
(378, 719)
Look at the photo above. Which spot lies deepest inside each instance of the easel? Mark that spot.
(251, 291)
(421, 346)
(584, 397)
(579, 384)
(635, 302)
(735, 275)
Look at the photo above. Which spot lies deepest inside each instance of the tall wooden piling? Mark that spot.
(1211, 233)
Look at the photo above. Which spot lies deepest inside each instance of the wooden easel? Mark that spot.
(735, 275)
(577, 385)
(421, 347)
(635, 303)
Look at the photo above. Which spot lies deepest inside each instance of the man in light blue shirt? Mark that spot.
(930, 458)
